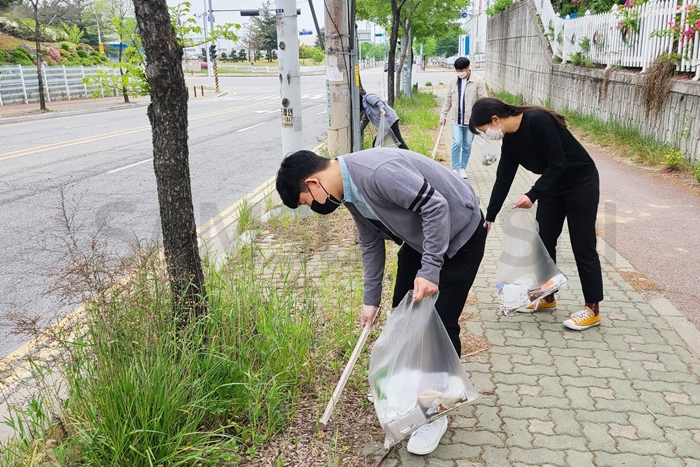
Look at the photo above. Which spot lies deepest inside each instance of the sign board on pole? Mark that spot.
(364, 35)
(287, 118)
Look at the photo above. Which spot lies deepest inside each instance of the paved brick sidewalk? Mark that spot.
(626, 393)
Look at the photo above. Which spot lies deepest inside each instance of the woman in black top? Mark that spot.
(538, 139)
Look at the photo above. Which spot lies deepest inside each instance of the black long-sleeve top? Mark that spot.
(543, 147)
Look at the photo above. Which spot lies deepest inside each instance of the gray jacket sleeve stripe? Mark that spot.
(420, 195)
(425, 200)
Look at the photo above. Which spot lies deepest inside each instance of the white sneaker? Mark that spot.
(427, 438)
(462, 173)
(456, 172)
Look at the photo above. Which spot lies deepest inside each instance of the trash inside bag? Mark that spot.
(385, 136)
(490, 150)
(525, 273)
(415, 374)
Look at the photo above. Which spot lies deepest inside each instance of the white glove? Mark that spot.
(369, 314)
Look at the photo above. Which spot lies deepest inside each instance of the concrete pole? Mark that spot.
(289, 76)
(206, 45)
(338, 75)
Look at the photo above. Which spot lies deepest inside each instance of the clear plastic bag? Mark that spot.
(490, 150)
(525, 273)
(385, 136)
(415, 374)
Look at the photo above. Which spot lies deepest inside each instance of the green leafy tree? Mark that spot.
(4, 4)
(266, 27)
(447, 46)
(242, 57)
(75, 34)
(422, 18)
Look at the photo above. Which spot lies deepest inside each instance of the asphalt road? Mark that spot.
(102, 163)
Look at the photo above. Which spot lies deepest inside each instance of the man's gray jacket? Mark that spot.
(420, 201)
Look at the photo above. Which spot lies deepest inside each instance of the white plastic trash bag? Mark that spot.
(385, 136)
(415, 374)
(490, 150)
(526, 273)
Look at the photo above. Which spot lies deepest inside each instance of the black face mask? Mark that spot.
(328, 207)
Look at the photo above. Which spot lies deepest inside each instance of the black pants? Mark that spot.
(579, 205)
(397, 132)
(456, 278)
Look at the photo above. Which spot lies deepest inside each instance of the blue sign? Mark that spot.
(464, 14)
(304, 32)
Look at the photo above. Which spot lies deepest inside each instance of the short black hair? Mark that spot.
(461, 63)
(296, 168)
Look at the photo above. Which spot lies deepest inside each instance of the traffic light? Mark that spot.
(212, 52)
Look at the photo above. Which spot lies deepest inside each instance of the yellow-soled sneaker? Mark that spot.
(582, 319)
(540, 305)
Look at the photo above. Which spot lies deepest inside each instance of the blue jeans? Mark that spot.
(461, 146)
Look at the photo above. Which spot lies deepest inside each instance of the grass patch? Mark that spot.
(10, 42)
(144, 393)
(418, 121)
(624, 139)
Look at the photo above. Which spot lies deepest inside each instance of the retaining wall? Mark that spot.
(519, 62)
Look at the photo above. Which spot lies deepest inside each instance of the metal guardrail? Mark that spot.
(20, 84)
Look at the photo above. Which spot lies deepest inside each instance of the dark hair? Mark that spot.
(296, 168)
(485, 108)
(461, 63)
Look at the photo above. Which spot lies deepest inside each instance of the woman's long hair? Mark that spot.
(485, 108)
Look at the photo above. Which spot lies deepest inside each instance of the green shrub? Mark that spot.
(674, 159)
(20, 56)
(4, 55)
(499, 6)
(65, 47)
(696, 172)
(428, 83)
(82, 54)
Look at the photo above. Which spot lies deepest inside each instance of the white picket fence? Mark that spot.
(19, 84)
(611, 45)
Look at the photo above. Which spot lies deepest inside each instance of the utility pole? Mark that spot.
(338, 75)
(290, 82)
(321, 40)
(206, 47)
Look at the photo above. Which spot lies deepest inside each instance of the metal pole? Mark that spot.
(338, 74)
(206, 47)
(65, 80)
(321, 39)
(355, 90)
(289, 76)
(46, 83)
(24, 86)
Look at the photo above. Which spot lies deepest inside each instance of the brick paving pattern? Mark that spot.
(626, 393)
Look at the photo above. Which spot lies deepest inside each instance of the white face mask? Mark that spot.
(494, 135)
(462, 74)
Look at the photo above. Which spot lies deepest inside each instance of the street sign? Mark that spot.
(304, 32)
(101, 47)
(464, 14)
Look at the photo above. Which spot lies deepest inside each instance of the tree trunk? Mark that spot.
(391, 69)
(37, 45)
(121, 70)
(405, 47)
(168, 116)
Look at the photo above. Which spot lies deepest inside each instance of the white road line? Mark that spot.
(86, 124)
(322, 112)
(129, 166)
(312, 107)
(248, 128)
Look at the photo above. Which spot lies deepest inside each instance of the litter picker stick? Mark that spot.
(344, 378)
(438, 141)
